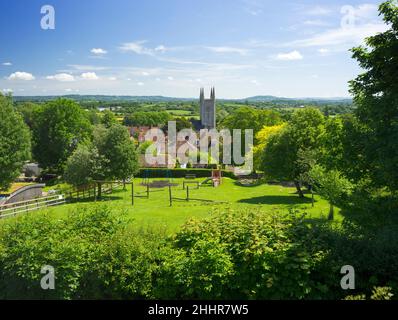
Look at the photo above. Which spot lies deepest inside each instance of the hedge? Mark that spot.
(179, 173)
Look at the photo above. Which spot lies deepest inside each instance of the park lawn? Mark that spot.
(156, 212)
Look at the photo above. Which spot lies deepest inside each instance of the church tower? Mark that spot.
(208, 109)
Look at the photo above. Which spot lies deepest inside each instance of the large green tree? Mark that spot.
(376, 97)
(14, 142)
(85, 165)
(290, 153)
(119, 150)
(57, 130)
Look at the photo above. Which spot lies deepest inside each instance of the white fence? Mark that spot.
(12, 209)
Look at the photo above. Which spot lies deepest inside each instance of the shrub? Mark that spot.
(179, 173)
(274, 257)
(89, 251)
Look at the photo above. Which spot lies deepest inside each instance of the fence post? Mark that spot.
(147, 191)
(132, 193)
(170, 197)
(187, 193)
(99, 190)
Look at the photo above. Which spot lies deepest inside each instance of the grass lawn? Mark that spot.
(155, 212)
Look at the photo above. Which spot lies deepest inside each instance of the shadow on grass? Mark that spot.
(87, 200)
(286, 200)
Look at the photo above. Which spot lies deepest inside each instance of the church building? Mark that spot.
(208, 109)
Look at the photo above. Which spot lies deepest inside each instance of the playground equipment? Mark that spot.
(190, 179)
(148, 174)
(216, 178)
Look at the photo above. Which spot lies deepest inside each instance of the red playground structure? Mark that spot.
(216, 177)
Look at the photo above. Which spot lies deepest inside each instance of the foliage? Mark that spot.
(262, 138)
(150, 119)
(376, 97)
(330, 184)
(250, 118)
(14, 143)
(72, 246)
(85, 165)
(274, 257)
(297, 143)
(115, 145)
(108, 119)
(179, 173)
(57, 130)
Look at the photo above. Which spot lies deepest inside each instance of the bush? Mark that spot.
(91, 253)
(273, 257)
(230, 255)
(179, 173)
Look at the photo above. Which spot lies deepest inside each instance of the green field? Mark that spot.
(185, 113)
(156, 212)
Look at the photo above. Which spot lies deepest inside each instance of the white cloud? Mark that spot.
(319, 11)
(82, 67)
(7, 64)
(112, 78)
(323, 51)
(170, 78)
(6, 91)
(89, 76)
(140, 84)
(342, 36)
(21, 76)
(136, 47)
(294, 55)
(228, 50)
(145, 74)
(161, 48)
(63, 77)
(98, 51)
(357, 23)
(316, 23)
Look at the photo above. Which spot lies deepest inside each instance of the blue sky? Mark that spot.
(285, 48)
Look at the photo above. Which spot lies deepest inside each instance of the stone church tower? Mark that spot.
(208, 109)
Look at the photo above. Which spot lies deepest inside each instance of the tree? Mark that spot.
(262, 138)
(289, 153)
(330, 184)
(27, 110)
(108, 119)
(250, 118)
(376, 96)
(57, 130)
(120, 151)
(14, 143)
(85, 165)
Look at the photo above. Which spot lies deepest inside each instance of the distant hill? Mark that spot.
(280, 99)
(111, 98)
(101, 98)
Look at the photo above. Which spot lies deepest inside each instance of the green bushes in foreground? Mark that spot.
(231, 255)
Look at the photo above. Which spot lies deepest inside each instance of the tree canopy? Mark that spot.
(58, 128)
(375, 94)
(14, 142)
